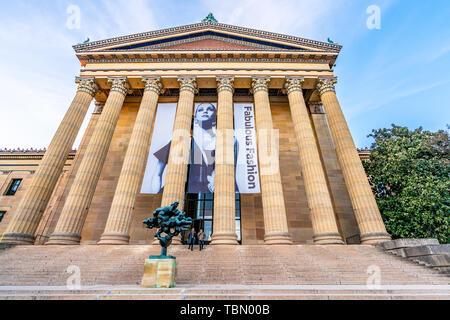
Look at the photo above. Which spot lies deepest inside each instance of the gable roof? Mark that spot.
(208, 36)
(204, 28)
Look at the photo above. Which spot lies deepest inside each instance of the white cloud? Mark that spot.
(128, 18)
(295, 17)
(41, 64)
(394, 95)
(439, 54)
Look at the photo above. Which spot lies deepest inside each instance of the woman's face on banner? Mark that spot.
(204, 112)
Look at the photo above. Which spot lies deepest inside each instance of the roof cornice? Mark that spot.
(209, 25)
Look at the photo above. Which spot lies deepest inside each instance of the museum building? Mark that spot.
(242, 127)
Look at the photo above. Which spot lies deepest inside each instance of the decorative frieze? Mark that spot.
(120, 85)
(293, 84)
(326, 85)
(219, 58)
(225, 83)
(188, 83)
(260, 83)
(153, 84)
(87, 85)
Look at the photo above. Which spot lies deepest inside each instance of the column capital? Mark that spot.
(325, 85)
(294, 84)
(260, 83)
(225, 83)
(98, 107)
(188, 83)
(153, 84)
(120, 85)
(87, 85)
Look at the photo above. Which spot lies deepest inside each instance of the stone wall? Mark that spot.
(299, 221)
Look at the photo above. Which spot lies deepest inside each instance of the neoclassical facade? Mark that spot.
(316, 192)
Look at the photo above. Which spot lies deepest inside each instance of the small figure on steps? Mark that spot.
(191, 239)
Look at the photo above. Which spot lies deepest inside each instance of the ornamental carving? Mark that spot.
(188, 83)
(87, 85)
(326, 85)
(293, 84)
(260, 83)
(225, 83)
(153, 84)
(120, 85)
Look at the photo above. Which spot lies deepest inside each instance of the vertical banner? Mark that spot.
(247, 170)
(203, 151)
(155, 172)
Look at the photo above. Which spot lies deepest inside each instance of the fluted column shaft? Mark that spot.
(23, 226)
(119, 220)
(75, 210)
(274, 210)
(175, 183)
(319, 201)
(224, 191)
(176, 173)
(366, 211)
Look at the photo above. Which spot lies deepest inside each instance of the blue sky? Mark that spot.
(397, 74)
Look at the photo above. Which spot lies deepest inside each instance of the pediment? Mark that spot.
(207, 36)
(205, 41)
(209, 43)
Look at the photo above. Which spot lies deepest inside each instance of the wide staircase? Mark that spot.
(219, 272)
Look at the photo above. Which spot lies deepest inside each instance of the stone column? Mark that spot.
(23, 226)
(175, 183)
(176, 173)
(224, 190)
(73, 215)
(321, 208)
(367, 214)
(275, 220)
(119, 220)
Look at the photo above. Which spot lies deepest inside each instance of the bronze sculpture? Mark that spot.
(171, 222)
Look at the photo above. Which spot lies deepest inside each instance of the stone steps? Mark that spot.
(227, 292)
(218, 265)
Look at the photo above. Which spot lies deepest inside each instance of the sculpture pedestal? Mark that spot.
(159, 272)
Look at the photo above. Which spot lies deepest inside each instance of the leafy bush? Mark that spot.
(409, 172)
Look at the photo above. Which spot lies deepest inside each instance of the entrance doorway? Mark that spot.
(200, 207)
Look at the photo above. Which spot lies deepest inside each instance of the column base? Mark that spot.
(374, 238)
(112, 238)
(328, 238)
(224, 238)
(276, 238)
(18, 238)
(64, 239)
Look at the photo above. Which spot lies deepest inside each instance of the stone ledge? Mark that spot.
(427, 252)
(5, 246)
(408, 243)
(442, 249)
(438, 260)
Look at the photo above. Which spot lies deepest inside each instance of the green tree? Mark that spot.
(409, 172)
